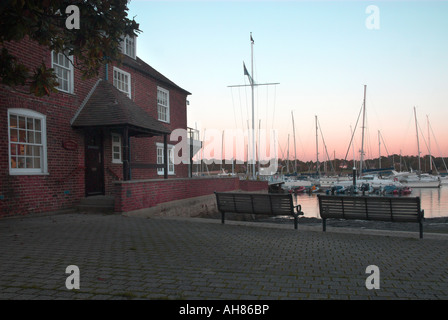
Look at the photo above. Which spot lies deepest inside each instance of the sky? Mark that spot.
(321, 53)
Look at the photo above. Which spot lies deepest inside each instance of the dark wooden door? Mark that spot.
(94, 163)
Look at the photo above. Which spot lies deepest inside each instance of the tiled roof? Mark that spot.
(107, 106)
(142, 66)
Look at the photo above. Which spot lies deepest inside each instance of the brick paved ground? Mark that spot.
(137, 258)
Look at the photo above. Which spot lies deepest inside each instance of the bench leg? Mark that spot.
(222, 217)
(324, 225)
(421, 230)
(296, 222)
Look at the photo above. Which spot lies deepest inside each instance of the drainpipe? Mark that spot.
(129, 157)
(126, 167)
(165, 156)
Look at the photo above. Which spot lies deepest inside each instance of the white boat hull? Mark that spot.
(422, 184)
(328, 182)
(297, 183)
(412, 180)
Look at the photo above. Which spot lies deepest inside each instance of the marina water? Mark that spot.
(433, 200)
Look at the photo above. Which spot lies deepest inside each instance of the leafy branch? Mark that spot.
(103, 24)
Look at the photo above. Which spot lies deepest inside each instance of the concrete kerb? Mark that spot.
(307, 228)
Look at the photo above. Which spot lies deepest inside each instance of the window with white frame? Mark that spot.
(116, 148)
(160, 159)
(163, 104)
(27, 142)
(122, 81)
(129, 46)
(63, 68)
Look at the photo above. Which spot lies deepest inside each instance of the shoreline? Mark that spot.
(430, 225)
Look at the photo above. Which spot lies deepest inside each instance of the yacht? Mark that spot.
(414, 180)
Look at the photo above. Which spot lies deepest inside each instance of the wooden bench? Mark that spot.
(258, 203)
(394, 209)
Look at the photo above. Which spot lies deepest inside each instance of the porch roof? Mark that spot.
(106, 106)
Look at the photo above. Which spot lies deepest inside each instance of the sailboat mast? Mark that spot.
(379, 148)
(400, 161)
(248, 151)
(429, 145)
(418, 143)
(353, 149)
(258, 145)
(317, 147)
(253, 113)
(222, 149)
(363, 127)
(295, 151)
(287, 157)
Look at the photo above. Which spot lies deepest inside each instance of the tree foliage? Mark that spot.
(103, 24)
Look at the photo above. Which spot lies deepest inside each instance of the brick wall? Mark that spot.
(63, 186)
(135, 195)
(249, 185)
(64, 183)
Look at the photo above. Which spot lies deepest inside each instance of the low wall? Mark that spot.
(140, 194)
(250, 185)
(197, 207)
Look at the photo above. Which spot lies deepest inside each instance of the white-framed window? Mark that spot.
(63, 68)
(160, 159)
(27, 142)
(116, 148)
(129, 46)
(122, 81)
(163, 104)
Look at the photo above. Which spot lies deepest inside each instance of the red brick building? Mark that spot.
(56, 150)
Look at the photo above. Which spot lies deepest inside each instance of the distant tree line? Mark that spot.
(336, 166)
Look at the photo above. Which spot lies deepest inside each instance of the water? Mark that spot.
(433, 200)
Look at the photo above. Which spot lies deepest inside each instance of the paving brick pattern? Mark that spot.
(138, 258)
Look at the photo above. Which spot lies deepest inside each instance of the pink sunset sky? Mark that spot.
(321, 54)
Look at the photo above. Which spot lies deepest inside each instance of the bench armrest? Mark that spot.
(298, 209)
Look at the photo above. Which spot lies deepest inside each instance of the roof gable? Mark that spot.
(107, 106)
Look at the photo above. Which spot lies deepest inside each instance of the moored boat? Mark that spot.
(414, 180)
(299, 189)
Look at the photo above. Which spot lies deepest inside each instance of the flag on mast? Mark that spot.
(246, 73)
(251, 39)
